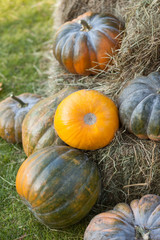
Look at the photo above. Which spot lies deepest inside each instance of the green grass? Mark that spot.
(25, 28)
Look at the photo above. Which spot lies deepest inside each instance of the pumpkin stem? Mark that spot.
(90, 118)
(158, 91)
(141, 232)
(21, 103)
(85, 26)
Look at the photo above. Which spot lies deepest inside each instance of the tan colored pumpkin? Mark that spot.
(86, 119)
(139, 221)
(12, 113)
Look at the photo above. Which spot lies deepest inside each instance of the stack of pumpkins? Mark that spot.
(57, 181)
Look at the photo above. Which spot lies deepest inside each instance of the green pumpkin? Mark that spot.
(59, 185)
(38, 128)
(139, 106)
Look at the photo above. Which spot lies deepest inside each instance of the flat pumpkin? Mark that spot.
(59, 184)
(12, 112)
(86, 119)
(87, 44)
(139, 106)
(138, 221)
(38, 128)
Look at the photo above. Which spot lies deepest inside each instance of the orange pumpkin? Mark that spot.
(86, 44)
(139, 221)
(86, 119)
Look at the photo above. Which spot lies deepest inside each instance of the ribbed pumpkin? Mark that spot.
(59, 185)
(139, 106)
(38, 128)
(12, 112)
(88, 41)
(86, 119)
(139, 221)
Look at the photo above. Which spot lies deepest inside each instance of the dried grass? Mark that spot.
(130, 167)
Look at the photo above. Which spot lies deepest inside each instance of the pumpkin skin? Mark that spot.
(86, 42)
(139, 106)
(38, 128)
(140, 220)
(86, 119)
(12, 112)
(59, 185)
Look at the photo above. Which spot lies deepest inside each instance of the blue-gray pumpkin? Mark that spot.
(139, 106)
(87, 44)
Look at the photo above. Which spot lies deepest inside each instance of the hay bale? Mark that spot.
(67, 10)
(130, 167)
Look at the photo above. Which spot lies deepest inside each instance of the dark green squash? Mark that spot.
(139, 106)
(38, 128)
(59, 185)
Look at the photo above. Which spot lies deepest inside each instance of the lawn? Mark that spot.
(25, 31)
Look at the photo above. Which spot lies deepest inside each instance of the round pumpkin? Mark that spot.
(59, 185)
(139, 221)
(87, 44)
(139, 106)
(12, 112)
(38, 128)
(86, 119)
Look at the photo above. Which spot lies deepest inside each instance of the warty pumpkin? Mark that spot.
(139, 221)
(38, 128)
(86, 119)
(139, 106)
(87, 44)
(12, 112)
(59, 184)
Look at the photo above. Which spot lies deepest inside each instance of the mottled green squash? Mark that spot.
(59, 185)
(38, 128)
(139, 106)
